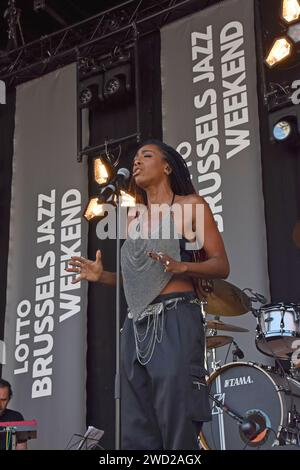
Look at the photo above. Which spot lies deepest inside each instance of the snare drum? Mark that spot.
(278, 327)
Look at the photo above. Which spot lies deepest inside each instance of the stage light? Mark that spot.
(284, 125)
(280, 51)
(282, 130)
(290, 10)
(117, 82)
(102, 170)
(112, 87)
(88, 96)
(85, 97)
(93, 210)
(294, 33)
(90, 91)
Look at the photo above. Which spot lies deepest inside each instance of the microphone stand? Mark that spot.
(116, 191)
(233, 414)
(118, 318)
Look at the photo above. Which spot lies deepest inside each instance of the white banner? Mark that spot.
(210, 114)
(45, 323)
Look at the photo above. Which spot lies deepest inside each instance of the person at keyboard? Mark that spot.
(8, 415)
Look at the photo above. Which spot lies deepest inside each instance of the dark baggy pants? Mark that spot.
(165, 401)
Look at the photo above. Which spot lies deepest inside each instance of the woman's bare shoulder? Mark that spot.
(190, 199)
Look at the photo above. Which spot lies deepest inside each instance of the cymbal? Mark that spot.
(219, 325)
(217, 341)
(226, 299)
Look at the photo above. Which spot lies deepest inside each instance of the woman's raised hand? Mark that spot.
(85, 268)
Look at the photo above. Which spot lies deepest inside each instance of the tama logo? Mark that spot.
(238, 381)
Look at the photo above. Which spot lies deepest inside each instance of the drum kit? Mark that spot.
(254, 407)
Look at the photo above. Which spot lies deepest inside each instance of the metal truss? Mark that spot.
(85, 41)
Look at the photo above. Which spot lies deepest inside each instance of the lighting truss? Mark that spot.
(93, 37)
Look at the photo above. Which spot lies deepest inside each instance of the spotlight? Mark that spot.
(102, 170)
(282, 130)
(86, 96)
(89, 90)
(93, 210)
(284, 125)
(112, 87)
(109, 81)
(294, 33)
(117, 83)
(281, 50)
(290, 10)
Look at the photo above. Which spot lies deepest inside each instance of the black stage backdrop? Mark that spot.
(7, 125)
(281, 178)
(115, 122)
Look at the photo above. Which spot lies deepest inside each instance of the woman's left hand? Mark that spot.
(170, 265)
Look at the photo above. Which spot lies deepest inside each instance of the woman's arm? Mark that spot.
(216, 265)
(91, 270)
(109, 278)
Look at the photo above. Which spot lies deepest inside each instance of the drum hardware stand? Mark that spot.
(294, 418)
(237, 353)
(215, 365)
(202, 303)
(255, 296)
(294, 372)
(233, 414)
(290, 434)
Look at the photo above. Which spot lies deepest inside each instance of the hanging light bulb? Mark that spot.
(280, 51)
(93, 210)
(102, 170)
(290, 10)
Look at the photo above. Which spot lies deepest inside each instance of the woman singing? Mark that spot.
(163, 388)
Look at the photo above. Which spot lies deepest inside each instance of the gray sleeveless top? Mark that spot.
(143, 277)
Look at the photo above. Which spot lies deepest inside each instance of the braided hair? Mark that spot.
(180, 178)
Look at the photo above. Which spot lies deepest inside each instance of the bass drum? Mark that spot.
(262, 398)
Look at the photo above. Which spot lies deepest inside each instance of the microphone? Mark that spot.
(109, 190)
(237, 351)
(253, 425)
